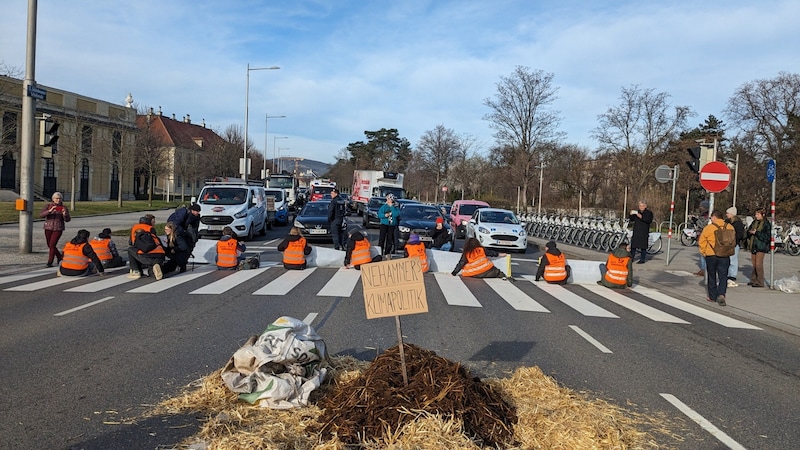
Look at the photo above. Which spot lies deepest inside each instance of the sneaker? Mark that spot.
(732, 283)
(58, 272)
(708, 299)
(157, 271)
(721, 300)
(135, 275)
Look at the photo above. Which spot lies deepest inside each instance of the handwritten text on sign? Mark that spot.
(393, 288)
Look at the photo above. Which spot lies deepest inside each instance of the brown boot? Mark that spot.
(700, 273)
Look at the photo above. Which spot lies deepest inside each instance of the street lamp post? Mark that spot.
(275, 151)
(266, 124)
(247, 113)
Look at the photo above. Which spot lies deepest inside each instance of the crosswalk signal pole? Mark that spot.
(26, 167)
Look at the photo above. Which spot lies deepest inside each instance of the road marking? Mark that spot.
(571, 299)
(225, 284)
(705, 424)
(285, 283)
(637, 307)
(591, 340)
(455, 291)
(26, 275)
(514, 296)
(694, 309)
(341, 283)
(69, 311)
(50, 282)
(170, 282)
(106, 283)
(311, 317)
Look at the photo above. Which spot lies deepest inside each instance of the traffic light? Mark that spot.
(694, 163)
(48, 132)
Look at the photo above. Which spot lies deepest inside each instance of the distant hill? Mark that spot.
(319, 168)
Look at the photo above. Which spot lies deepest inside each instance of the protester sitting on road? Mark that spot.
(178, 248)
(230, 252)
(295, 248)
(440, 236)
(617, 272)
(106, 250)
(358, 250)
(415, 248)
(78, 258)
(475, 262)
(147, 251)
(553, 266)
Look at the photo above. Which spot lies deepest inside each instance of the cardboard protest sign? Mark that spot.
(393, 288)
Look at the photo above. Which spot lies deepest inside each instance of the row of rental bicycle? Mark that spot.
(604, 234)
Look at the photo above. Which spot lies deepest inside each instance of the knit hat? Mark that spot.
(551, 245)
(439, 220)
(195, 207)
(732, 211)
(413, 239)
(105, 234)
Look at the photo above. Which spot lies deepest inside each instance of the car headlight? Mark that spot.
(483, 230)
(299, 224)
(464, 222)
(521, 232)
(282, 208)
(404, 229)
(241, 214)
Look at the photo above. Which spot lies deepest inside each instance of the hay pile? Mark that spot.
(367, 405)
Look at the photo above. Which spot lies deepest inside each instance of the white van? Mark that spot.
(235, 203)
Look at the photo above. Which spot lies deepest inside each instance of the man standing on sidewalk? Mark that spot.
(716, 265)
(641, 220)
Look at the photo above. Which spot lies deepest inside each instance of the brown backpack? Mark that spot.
(725, 238)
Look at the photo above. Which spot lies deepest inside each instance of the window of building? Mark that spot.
(9, 128)
(86, 139)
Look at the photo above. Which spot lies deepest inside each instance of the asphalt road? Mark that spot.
(84, 378)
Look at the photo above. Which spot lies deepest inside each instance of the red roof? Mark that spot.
(175, 133)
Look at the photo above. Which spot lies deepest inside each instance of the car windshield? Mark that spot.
(277, 194)
(224, 196)
(414, 212)
(468, 210)
(315, 209)
(376, 202)
(498, 217)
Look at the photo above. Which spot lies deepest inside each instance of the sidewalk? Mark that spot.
(765, 306)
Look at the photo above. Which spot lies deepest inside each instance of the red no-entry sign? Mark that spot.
(715, 176)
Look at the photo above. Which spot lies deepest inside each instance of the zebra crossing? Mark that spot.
(344, 282)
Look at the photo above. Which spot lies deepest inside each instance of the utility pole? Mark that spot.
(26, 168)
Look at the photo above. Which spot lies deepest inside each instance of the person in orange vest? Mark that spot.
(295, 249)
(415, 247)
(617, 272)
(553, 266)
(230, 252)
(358, 250)
(78, 258)
(475, 261)
(147, 251)
(106, 249)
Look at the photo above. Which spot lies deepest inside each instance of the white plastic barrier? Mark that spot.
(584, 272)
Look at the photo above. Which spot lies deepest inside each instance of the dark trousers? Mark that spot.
(138, 261)
(338, 234)
(386, 239)
(717, 274)
(52, 237)
(642, 255)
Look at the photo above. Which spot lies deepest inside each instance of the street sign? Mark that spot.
(663, 173)
(771, 170)
(37, 93)
(715, 176)
(444, 188)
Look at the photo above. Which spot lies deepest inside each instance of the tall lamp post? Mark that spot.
(247, 113)
(275, 151)
(266, 125)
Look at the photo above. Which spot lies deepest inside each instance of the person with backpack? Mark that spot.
(146, 251)
(337, 210)
(717, 242)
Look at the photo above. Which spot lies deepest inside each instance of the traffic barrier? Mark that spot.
(584, 272)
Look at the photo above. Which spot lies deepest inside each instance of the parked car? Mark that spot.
(313, 221)
(419, 218)
(497, 228)
(460, 213)
(370, 217)
(348, 202)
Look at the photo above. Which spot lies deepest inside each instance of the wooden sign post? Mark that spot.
(394, 288)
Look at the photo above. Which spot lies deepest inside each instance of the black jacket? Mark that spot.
(337, 210)
(641, 229)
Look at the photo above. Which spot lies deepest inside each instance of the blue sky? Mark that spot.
(351, 66)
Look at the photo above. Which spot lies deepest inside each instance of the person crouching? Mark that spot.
(79, 258)
(229, 250)
(553, 266)
(295, 248)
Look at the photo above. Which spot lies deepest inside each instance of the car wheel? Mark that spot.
(251, 233)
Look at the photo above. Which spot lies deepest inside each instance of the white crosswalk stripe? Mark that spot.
(343, 283)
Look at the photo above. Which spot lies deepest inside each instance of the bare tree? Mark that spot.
(435, 154)
(638, 131)
(152, 155)
(222, 159)
(524, 121)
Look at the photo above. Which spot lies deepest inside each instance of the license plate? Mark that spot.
(317, 231)
(215, 227)
(426, 238)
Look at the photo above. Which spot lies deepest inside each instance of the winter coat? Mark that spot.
(55, 221)
(641, 229)
(759, 242)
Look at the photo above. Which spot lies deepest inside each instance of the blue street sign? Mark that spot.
(771, 170)
(37, 93)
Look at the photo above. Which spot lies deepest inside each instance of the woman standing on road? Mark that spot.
(758, 237)
(388, 214)
(55, 216)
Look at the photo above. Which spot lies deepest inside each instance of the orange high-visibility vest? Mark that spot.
(617, 270)
(159, 250)
(295, 252)
(361, 253)
(418, 250)
(136, 228)
(556, 268)
(74, 258)
(226, 253)
(102, 248)
(477, 263)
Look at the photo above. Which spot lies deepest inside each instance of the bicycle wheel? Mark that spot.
(687, 241)
(655, 247)
(792, 248)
